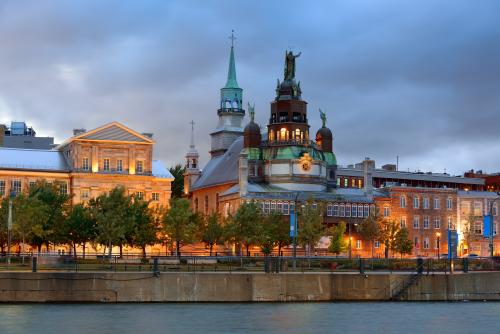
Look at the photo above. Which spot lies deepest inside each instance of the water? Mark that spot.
(441, 318)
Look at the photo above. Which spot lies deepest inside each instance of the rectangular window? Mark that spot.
(437, 222)
(155, 197)
(139, 166)
(15, 186)
(85, 164)
(119, 165)
(366, 211)
(329, 210)
(360, 184)
(426, 243)
(437, 203)
(279, 207)
(267, 207)
(402, 201)
(353, 183)
(63, 188)
(450, 224)
(402, 222)
(478, 227)
(386, 211)
(416, 202)
(273, 206)
(338, 181)
(140, 195)
(286, 208)
(348, 210)
(360, 211)
(105, 166)
(426, 222)
(478, 208)
(376, 244)
(436, 244)
(206, 204)
(354, 210)
(426, 202)
(358, 244)
(85, 194)
(346, 182)
(2, 188)
(342, 210)
(449, 203)
(415, 241)
(416, 222)
(335, 210)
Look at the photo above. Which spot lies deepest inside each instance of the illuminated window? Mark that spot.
(346, 182)
(338, 181)
(297, 134)
(360, 184)
(283, 134)
(139, 166)
(358, 244)
(85, 164)
(353, 183)
(119, 165)
(437, 222)
(478, 227)
(106, 164)
(155, 197)
(478, 208)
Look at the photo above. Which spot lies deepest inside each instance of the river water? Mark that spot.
(384, 317)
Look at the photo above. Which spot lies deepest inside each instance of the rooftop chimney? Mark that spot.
(2, 134)
(368, 166)
(77, 132)
(148, 134)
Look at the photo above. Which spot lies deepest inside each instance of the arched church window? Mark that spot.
(297, 134)
(282, 134)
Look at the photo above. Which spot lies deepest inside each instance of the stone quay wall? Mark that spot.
(243, 287)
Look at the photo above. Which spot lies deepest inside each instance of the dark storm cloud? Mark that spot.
(418, 79)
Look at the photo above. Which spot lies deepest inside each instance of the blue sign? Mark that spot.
(292, 224)
(452, 244)
(487, 224)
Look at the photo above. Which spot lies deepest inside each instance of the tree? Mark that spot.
(338, 244)
(80, 227)
(180, 223)
(281, 230)
(178, 184)
(402, 243)
(370, 229)
(389, 230)
(243, 227)
(267, 235)
(468, 230)
(4, 213)
(112, 214)
(145, 225)
(212, 231)
(310, 228)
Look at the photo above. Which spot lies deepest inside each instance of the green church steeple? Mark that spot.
(231, 95)
(231, 73)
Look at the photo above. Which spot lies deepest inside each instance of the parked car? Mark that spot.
(471, 255)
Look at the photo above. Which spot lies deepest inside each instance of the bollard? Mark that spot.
(420, 265)
(155, 265)
(466, 265)
(33, 264)
(266, 265)
(361, 266)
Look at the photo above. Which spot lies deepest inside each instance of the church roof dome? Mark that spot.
(324, 133)
(252, 128)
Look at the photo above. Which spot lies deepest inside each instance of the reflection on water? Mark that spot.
(442, 318)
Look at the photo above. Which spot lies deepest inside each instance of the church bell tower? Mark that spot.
(193, 171)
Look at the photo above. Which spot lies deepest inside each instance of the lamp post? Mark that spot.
(438, 235)
(295, 216)
(350, 241)
(492, 223)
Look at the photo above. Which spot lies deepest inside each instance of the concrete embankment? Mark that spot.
(243, 287)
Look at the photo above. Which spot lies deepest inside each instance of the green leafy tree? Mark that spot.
(145, 225)
(337, 243)
(281, 230)
(180, 223)
(243, 227)
(468, 230)
(80, 227)
(4, 213)
(267, 235)
(178, 184)
(402, 243)
(370, 229)
(212, 232)
(389, 230)
(112, 214)
(310, 228)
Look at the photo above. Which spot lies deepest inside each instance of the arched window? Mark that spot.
(282, 134)
(297, 134)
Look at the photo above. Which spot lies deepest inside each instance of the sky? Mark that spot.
(415, 79)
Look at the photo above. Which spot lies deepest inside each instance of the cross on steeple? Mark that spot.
(192, 134)
(232, 38)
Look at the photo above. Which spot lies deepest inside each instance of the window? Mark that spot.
(2, 187)
(494, 209)
(437, 222)
(273, 206)
(85, 194)
(32, 184)
(366, 211)
(196, 204)
(155, 197)
(292, 208)
(140, 195)
(342, 210)
(386, 211)
(286, 208)
(119, 165)
(279, 207)
(15, 186)
(360, 211)
(478, 208)
(426, 202)
(358, 244)
(436, 243)
(106, 164)
(449, 203)
(346, 182)
(206, 204)
(426, 222)
(416, 202)
(360, 184)
(338, 181)
(267, 206)
(416, 222)
(139, 166)
(85, 164)
(329, 210)
(402, 201)
(353, 183)
(426, 243)
(348, 210)
(450, 224)
(354, 210)
(437, 203)
(478, 227)
(402, 221)
(335, 210)
(63, 188)
(415, 241)
(376, 244)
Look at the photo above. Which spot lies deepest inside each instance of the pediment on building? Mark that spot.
(114, 132)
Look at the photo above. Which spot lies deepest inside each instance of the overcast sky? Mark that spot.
(415, 79)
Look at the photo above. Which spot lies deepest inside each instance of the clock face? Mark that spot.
(306, 166)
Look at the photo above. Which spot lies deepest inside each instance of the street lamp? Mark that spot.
(438, 235)
(295, 216)
(492, 202)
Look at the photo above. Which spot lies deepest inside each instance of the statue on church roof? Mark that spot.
(322, 115)
(251, 111)
(290, 65)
